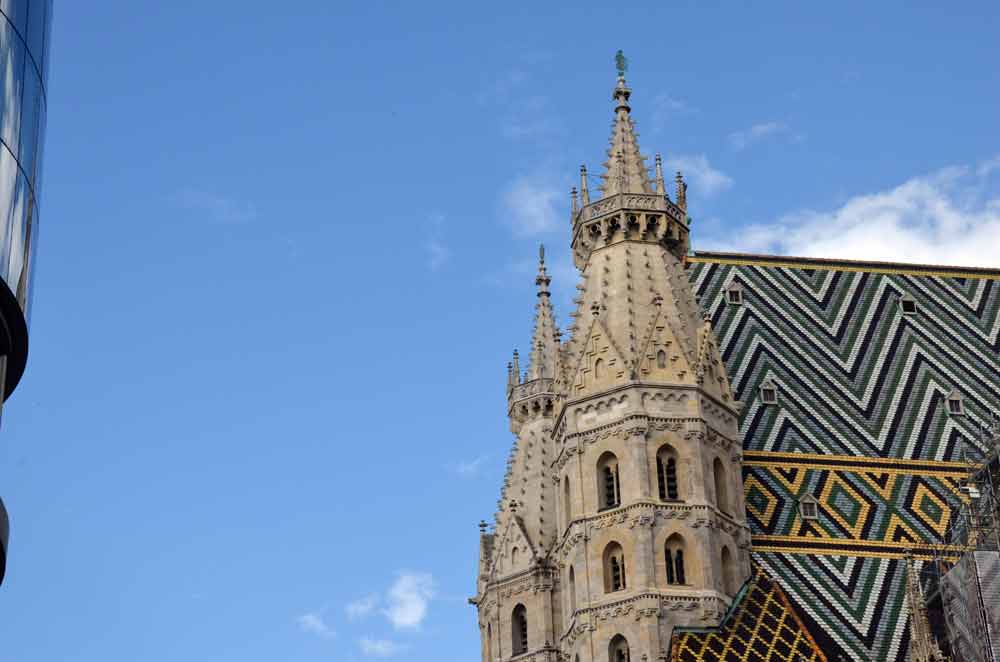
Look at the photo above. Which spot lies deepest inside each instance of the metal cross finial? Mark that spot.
(541, 253)
(621, 62)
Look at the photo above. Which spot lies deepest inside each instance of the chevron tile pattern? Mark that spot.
(861, 424)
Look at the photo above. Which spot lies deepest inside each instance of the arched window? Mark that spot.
(674, 558)
(614, 568)
(519, 630)
(608, 481)
(618, 649)
(728, 572)
(567, 503)
(489, 642)
(661, 359)
(721, 494)
(598, 368)
(513, 557)
(572, 591)
(666, 473)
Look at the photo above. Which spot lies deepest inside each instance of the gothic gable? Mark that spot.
(515, 552)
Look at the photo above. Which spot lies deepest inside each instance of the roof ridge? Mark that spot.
(833, 263)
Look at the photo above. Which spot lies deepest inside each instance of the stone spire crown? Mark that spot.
(625, 170)
(545, 340)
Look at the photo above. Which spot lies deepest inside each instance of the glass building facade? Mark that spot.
(24, 63)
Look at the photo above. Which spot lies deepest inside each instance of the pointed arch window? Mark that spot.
(734, 295)
(489, 642)
(614, 568)
(674, 559)
(567, 503)
(661, 359)
(519, 630)
(608, 481)
(598, 368)
(666, 473)
(955, 403)
(809, 508)
(618, 649)
(721, 485)
(572, 591)
(513, 556)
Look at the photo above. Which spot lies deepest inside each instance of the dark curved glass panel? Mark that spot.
(24, 44)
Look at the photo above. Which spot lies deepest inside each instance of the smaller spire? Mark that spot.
(584, 193)
(573, 208)
(682, 188)
(542, 280)
(545, 339)
(516, 368)
(661, 188)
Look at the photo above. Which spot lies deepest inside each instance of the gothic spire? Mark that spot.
(545, 341)
(923, 646)
(661, 188)
(625, 170)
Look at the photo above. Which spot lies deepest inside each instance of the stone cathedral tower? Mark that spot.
(622, 513)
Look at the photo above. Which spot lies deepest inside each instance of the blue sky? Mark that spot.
(286, 252)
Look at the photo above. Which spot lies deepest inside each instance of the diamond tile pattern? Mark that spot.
(761, 627)
(860, 424)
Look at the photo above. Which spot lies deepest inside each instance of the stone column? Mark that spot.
(643, 558)
(636, 440)
(548, 631)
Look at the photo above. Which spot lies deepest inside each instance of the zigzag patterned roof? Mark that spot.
(861, 424)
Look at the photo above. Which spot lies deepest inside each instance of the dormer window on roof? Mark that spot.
(769, 393)
(955, 404)
(734, 294)
(908, 305)
(809, 508)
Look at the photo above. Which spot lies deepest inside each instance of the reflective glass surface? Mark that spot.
(24, 33)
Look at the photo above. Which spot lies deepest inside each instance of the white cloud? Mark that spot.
(470, 468)
(437, 253)
(361, 607)
(665, 107)
(218, 207)
(313, 623)
(408, 600)
(532, 206)
(379, 647)
(530, 117)
(706, 180)
(523, 114)
(740, 140)
(501, 88)
(948, 217)
(987, 167)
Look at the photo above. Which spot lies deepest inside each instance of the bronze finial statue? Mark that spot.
(621, 62)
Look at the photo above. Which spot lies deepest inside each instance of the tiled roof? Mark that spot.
(861, 424)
